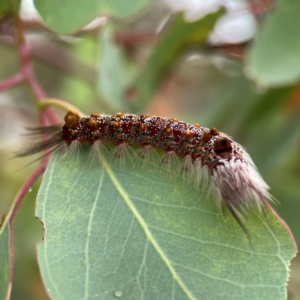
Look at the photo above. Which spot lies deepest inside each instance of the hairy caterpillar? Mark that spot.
(210, 157)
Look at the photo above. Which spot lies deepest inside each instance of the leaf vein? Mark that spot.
(145, 227)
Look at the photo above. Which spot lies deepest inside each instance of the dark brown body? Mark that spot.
(199, 143)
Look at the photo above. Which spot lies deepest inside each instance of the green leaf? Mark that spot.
(274, 58)
(112, 74)
(130, 228)
(9, 6)
(70, 15)
(266, 107)
(285, 184)
(178, 37)
(276, 139)
(4, 261)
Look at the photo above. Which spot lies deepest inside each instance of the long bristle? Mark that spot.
(36, 131)
(38, 146)
(123, 152)
(170, 161)
(239, 218)
(73, 150)
(98, 148)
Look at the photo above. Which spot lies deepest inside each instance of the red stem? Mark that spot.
(28, 73)
(22, 193)
(10, 82)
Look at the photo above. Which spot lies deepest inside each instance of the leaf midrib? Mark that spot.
(145, 227)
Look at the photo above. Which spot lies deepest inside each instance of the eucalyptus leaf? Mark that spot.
(70, 15)
(112, 74)
(127, 227)
(274, 57)
(4, 261)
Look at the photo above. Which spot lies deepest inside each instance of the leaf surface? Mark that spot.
(4, 261)
(69, 15)
(112, 77)
(130, 228)
(274, 58)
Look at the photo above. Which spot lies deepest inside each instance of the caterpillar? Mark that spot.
(209, 156)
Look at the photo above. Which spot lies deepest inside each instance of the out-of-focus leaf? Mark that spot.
(276, 138)
(69, 15)
(4, 261)
(179, 35)
(285, 185)
(9, 6)
(266, 106)
(83, 93)
(274, 58)
(112, 74)
(121, 9)
(130, 228)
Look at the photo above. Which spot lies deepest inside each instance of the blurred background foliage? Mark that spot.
(244, 81)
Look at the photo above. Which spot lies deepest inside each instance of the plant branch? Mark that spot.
(27, 71)
(48, 102)
(17, 202)
(46, 113)
(12, 81)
